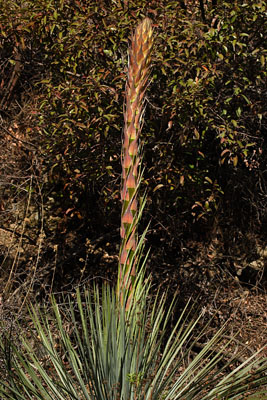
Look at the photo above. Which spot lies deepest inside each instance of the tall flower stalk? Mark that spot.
(137, 80)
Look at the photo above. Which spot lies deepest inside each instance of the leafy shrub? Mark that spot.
(204, 133)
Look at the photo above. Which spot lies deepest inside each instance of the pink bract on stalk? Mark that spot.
(137, 79)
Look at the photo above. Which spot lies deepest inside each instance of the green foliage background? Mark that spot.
(205, 121)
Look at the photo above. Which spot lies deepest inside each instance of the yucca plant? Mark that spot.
(117, 344)
(90, 350)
